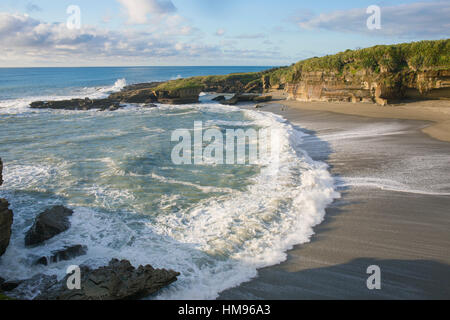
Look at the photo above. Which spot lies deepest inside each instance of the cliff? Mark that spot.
(381, 74)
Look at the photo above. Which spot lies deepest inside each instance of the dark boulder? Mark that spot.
(48, 224)
(117, 281)
(65, 254)
(219, 98)
(150, 105)
(10, 285)
(262, 99)
(230, 102)
(77, 104)
(30, 288)
(6, 221)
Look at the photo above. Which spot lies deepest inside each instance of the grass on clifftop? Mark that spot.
(201, 82)
(422, 55)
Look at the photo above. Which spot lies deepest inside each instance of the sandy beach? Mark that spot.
(394, 211)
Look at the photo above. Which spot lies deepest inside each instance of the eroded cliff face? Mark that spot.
(366, 86)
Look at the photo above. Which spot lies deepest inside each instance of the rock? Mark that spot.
(262, 99)
(179, 96)
(48, 224)
(77, 104)
(219, 98)
(230, 102)
(6, 221)
(246, 97)
(150, 105)
(30, 288)
(137, 93)
(113, 108)
(117, 281)
(10, 285)
(259, 106)
(63, 255)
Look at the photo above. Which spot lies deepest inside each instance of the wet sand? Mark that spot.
(394, 212)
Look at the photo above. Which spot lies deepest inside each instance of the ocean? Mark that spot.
(215, 223)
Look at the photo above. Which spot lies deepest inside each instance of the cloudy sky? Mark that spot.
(205, 32)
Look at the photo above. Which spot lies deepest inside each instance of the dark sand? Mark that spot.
(394, 213)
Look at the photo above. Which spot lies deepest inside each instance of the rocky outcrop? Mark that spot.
(78, 104)
(65, 254)
(117, 281)
(262, 99)
(48, 224)
(138, 93)
(179, 96)
(6, 219)
(246, 97)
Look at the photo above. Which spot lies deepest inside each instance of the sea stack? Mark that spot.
(6, 219)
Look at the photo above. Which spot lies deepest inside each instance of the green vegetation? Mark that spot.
(393, 58)
(207, 81)
(422, 55)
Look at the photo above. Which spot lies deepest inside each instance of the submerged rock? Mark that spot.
(117, 281)
(7, 286)
(65, 254)
(150, 105)
(48, 224)
(30, 288)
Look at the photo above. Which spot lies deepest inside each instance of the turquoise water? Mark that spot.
(216, 224)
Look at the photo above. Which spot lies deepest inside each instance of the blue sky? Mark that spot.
(205, 32)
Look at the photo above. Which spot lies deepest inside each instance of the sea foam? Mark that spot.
(217, 243)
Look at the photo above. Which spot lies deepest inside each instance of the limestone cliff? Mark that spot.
(365, 86)
(381, 74)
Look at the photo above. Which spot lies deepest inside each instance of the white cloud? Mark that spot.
(220, 32)
(26, 41)
(139, 10)
(422, 19)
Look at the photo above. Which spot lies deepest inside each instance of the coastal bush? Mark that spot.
(422, 55)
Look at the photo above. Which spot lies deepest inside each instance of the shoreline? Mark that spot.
(435, 111)
(393, 211)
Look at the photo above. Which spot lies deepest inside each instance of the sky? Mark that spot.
(205, 32)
